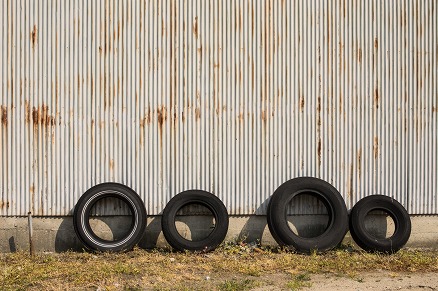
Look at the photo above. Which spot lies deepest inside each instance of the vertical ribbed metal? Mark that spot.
(232, 97)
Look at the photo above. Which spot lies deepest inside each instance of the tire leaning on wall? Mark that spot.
(190, 197)
(82, 212)
(328, 195)
(394, 209)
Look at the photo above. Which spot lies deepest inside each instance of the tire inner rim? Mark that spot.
(318, 195)
(200, 203)
(85, 215)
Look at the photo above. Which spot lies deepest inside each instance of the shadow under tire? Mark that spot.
(208, 200)
(394, 209)
(82, 211)
(337, 211)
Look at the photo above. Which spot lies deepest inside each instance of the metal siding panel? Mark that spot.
(233, 97)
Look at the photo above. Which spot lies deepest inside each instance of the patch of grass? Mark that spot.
(237, 285)
(233, 266)
(299, 281)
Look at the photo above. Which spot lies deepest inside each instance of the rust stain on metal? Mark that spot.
(4, 115)
(359, 162)
(44, 115)
(163, 26)
(32, 196)
(376, 43)
(35, 116)
(359, 55)
(350, 188)
(319, 149)
(111, 164)
(34, 36)
(264, 116)
(41, 116)
(197, 113)
(148, 117)
(319, 54)
(376, 98)
(376, 147)
(4, 204)
(195, 27)
(252, 75)
(340, 57)
(252, 20)
(302, 102)
(27, 112)
(161, 115)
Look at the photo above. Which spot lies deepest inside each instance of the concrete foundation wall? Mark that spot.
(57, 234)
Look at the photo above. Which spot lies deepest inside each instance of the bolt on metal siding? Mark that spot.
(232, 97)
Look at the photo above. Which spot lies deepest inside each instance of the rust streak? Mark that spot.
(34, 36)
(319, 151)
(197, 113)
(40, 115)
(376, 98)
(302, 103)
(161, 115)
(27, 111)
(4, 204)
(359, 162)
(35, 116)
(4, 115)
(318, 108)
(32, 195)
(264, 117)
(351, 190)
(376, 147)
(359, 55)
(195, 27)
(148, 116)
(376, 43)
(44, 114)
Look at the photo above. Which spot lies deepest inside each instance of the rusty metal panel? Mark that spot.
(233, 97)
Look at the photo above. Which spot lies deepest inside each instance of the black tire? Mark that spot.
(83, 208)
(338, 216)
(210, 201)
(394, 209)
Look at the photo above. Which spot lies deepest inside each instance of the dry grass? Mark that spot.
(231, 267)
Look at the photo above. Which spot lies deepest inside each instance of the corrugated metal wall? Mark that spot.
(233, 97)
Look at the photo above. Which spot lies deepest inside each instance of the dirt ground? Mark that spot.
(376, 281)
(231, 267)
(367, 281)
